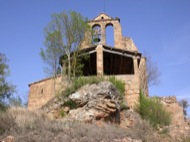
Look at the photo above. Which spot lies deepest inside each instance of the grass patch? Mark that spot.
(165, 131)
(120, 85)
(79, 82)
(62, 113)
(153, 110)
(186, 139)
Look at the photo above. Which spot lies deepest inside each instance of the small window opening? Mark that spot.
(42, 91)
(102, 18)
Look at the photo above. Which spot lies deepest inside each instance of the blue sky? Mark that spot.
(161, 28)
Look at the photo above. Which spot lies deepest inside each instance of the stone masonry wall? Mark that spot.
(173, 106)
(131, 88)
(41, 92)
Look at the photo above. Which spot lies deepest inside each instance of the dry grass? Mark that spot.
(186, 139)
(28, 126)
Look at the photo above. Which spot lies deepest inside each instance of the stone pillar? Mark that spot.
(99, 60)
(135, 64)
(118, 38)
(103, 34)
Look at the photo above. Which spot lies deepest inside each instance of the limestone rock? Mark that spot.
(9, 139)
(96, 101)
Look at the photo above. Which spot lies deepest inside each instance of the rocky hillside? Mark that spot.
(94, 113)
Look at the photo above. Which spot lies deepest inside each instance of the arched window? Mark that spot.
(96, 34)
(110, 35)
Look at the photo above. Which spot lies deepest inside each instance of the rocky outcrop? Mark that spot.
(8, 139)
(90, 102)
(95, 101)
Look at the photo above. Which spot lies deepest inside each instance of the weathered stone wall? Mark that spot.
(173, 106)
(131, 88)
(42, 91)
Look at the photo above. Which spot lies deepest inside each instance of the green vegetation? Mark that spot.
(64, 35)
(53, 51)
(184, 104)
(165, 131)
(81, 81)
(6, 89)
(152, 110)
(15, 101)
(62, 113)
(120, 85)
(70, 104)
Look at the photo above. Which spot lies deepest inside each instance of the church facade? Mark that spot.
(123, 60)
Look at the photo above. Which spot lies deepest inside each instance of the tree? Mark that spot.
(53, 51)
(152, 72)
(15, 101)
(184, 104)
(6, 89)
(148, 74)
(71, 28)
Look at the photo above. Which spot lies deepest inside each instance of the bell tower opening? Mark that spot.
(96, 37)
(110, 35)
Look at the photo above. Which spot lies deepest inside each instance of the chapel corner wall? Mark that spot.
(131, 89)
(41, 92)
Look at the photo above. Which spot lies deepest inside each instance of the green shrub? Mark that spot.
(153, 110)
(62, 113)
(120, 85)
(123, 105)
(3, 107)
(70, 104)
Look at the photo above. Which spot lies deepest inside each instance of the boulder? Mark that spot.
(95, 101)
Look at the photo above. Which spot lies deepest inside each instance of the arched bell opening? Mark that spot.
(96, 38)
(110, 35)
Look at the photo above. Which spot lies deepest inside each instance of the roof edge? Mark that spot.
(42, 80)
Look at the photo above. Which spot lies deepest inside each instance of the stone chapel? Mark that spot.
(123, 60)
